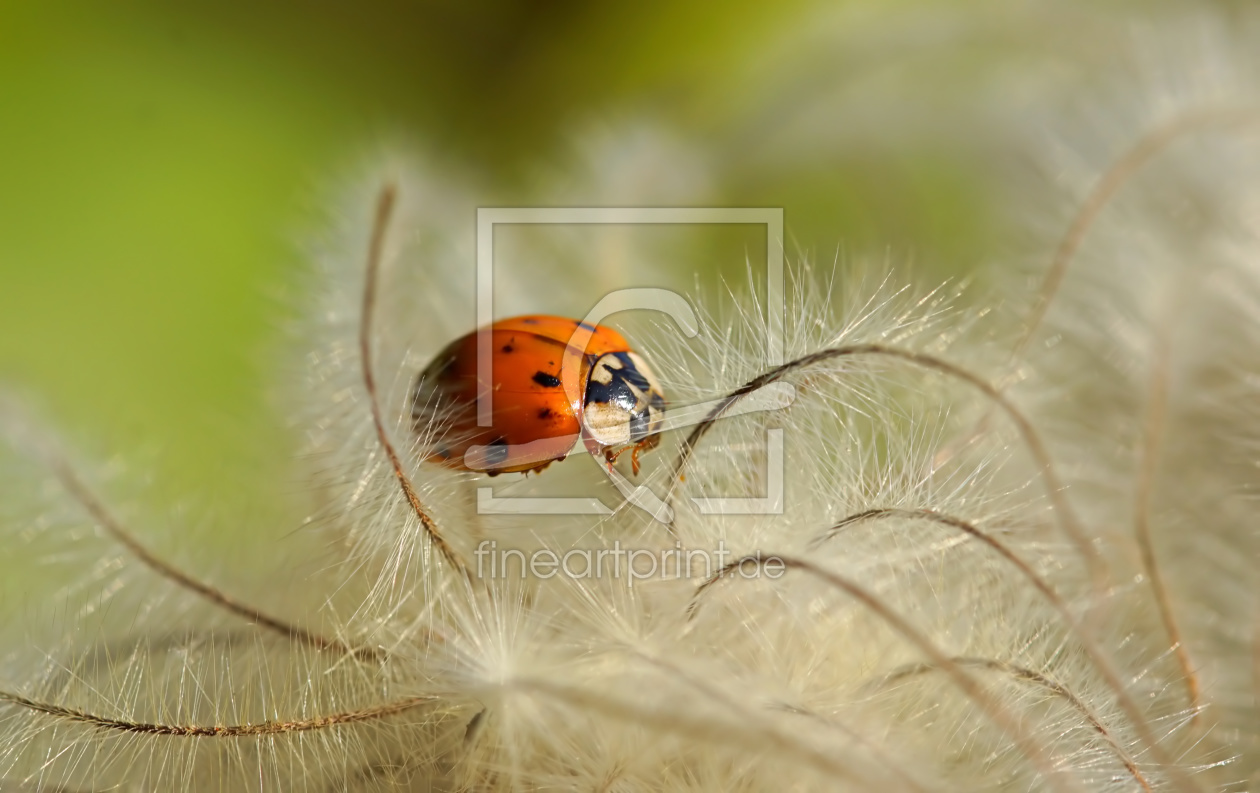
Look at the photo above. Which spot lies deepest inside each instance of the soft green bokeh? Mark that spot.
(157, 161)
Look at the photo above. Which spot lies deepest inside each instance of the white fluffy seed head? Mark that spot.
(913, 605)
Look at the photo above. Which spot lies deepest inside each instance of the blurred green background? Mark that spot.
(157, 161)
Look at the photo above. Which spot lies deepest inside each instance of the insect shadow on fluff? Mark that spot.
(960, 589)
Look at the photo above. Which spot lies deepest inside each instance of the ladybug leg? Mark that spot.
(611, 456)
(649, 442)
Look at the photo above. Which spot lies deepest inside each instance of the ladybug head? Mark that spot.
(624, 404)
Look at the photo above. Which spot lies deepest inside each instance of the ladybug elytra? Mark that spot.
(554, 380)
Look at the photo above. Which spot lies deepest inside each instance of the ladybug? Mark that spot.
(554, 380)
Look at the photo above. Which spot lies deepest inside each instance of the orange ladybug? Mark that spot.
(554, 380)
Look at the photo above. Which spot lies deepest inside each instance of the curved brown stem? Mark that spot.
(1001, 717)
(733, 702)
(1110, 676)
(1148, 463)
(87, 499)
(384, 210)
(678, 722)
(1148, 147)
(98, 721)
(857, 737)
(938, 658)
(968, 528)
(1109, 184)
(1026, 675)
(1054, 488)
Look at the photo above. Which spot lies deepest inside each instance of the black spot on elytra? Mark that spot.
(529, 322)
(497, 452)
(546, 380)
(545, 413)
(508, 348)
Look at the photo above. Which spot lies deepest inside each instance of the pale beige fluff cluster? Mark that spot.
(1015, 548)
